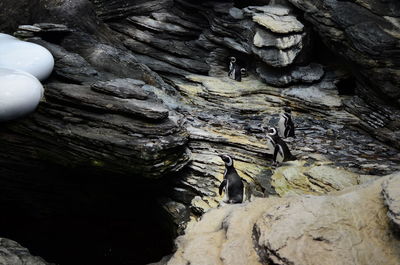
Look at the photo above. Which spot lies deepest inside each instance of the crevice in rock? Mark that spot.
(77, 216)
(347, 86)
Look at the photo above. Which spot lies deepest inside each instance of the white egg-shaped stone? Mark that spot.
(25, 56)
(20, 93)
(5, 37)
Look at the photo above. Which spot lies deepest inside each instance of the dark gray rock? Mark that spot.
(122, 8)
(69, 66)
(85, 97)
(122, 88)
(13, 253)
(365, 33)
(298, 74)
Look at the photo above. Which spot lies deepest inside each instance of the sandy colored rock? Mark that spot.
(391, 193)
(350, 227)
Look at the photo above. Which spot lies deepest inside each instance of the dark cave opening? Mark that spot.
(78, 217)
(347, 86)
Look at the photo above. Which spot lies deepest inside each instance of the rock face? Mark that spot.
(366, 33)
(140, 89)
(145, 135)
(391, 194)
(350, 227)
(14, 254)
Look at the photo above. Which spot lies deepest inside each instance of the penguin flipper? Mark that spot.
(221, 187)
(276, 150)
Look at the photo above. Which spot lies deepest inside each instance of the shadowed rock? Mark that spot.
(13, 253)
(365, 33)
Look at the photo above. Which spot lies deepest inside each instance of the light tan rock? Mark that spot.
(263, 38)
(296, 177)
(348, 227)
(391, 193)
(279, 24)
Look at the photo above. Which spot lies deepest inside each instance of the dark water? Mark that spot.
(75, 217)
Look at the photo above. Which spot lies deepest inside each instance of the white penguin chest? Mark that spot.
(281, 155)
(270, 143)
(281, 126)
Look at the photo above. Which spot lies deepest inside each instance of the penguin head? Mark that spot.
(227, 160)
(287, 110)
(233, 59)
(272, 131)
(243, 71)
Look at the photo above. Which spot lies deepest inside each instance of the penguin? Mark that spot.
(280, 148)
(234, 70)
(243, 72)
(272, 136)
(232, 183)
(285, 124)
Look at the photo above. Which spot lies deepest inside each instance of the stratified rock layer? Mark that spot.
(366, 33)
(391, 193)
(14, 254)
(350, 227)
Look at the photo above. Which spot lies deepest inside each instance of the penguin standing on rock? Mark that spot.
(232, 183)
(243, 72)
(285, 124)
(234, 70)
(281, 150)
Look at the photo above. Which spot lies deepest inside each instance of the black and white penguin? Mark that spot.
(281, 150)
(285, 124)
(272, 136)
(232, 183)
(243, 72)
(234, 70)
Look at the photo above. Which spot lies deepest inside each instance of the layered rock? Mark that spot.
(13, 253)
(337, 228)
(226, 117)
(128, 131)
(115, 133)
(391, 193)
(106, 109)
(366, 33)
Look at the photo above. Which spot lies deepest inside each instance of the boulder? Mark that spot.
(349, 227)
(20, 94)
(27, 57)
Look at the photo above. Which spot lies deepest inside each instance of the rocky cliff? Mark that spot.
(349, 227)
(140, 90)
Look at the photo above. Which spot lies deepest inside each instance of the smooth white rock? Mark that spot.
(20, 93)
(25, 56)
(5, 37)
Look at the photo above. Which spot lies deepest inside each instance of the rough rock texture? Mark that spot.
(225, 117)
(366, 33)
(14, 254)
(391, 193)
(141, 88)
(350, 227)
(122, 132)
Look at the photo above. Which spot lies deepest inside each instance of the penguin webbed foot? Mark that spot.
(275, 164)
